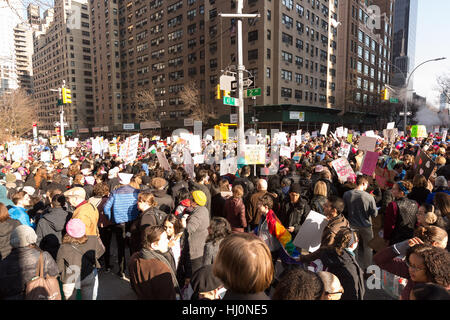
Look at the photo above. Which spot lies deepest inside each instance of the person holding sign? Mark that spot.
(333, 210)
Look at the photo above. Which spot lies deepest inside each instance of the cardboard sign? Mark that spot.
(255, 154)
(324, 129)
(340, 132)
(369, 163)
(285, 151)
(390, 134)
(344, 150)
(419, 131)
(343, 169)
(46, 156)
(384, 177)
(113, 149)
(309, 235)
(367, 143)
(129, 149)
(423, 164)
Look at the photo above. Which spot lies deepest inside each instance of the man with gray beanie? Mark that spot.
(19, 267)
(440, 185)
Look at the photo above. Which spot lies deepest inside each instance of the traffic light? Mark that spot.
(385, 94)
(226, 93)
(218, 94)
(66, 95)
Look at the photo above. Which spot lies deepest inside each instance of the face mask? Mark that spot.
(285, 189)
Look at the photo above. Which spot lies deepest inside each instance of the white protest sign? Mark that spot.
(292, 143)
(285, 151)
(251, 139)
(71, 144)
(344, 150)
(280, 138)
(189, 164)
(197, 128)
(19, 153)
(390, 125)
(195, 144)
(370, 133)
(343, 169)
(46, 156)
(324, 129)
(199, 159)
(314, 134)
(444, 135)
(367, 143)
(340, 132)
(129, 149)
(255, 154)
(96, 146)
(309, 235)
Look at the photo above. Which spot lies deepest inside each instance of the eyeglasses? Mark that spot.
(339, 292)
(414, 267)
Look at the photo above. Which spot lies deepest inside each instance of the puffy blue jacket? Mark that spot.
(123, 202)
(19, 213)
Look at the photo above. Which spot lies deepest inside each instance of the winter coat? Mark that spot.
(121, 206)
(197, 229)
(400, 220)
(176, 188)
(19, 268)
(99, 203)
(50, 229)
(210, 251)
(87, 213)
(253, 215)
(246, 184)
(419, 194)
(333, 227)
(205, 189)
(21, 214)
(150, 279)
(294, 214)
(234, 211)
(165, 201)
(150, 217)
(4, 199)
(317, 203)
(84, 256)
(218, 203)
(6, 228)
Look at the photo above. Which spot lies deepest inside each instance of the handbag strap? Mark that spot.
(40, 266)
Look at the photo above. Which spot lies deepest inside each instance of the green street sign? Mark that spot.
(230, 101)
(393, 100)
(254, 92)
(59, 102)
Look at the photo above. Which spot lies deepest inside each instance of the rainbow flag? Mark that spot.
(277, 230)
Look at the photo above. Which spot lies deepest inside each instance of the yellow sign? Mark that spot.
(255, 154)
(113, 149)
(350, 137)
(54, 140)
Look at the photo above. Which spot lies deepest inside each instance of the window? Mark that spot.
(360, 51)
(286, 92)
(298, 78)
(287, 21)
(269, 35)
(268, 72)
(268, 54)
(253, 54)
(288, 4)
(286, 38)
(286, 75)
(299, 61)
(269, 15)
(286, 56)
(253, 35)
(299, 94)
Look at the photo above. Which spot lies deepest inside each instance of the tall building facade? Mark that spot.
(164, 45)
(364, 54)
(63, 52)
(405, 25)
(11, 14)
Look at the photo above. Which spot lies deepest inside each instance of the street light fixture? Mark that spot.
(405, 119)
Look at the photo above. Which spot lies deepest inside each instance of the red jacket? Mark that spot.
(235, 214)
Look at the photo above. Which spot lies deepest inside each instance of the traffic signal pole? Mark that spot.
(61, 114)
(241, 68)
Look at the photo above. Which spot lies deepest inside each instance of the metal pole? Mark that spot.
(241, 68)
(61, 115)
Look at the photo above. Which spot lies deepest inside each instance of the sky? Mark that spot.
(432, 41)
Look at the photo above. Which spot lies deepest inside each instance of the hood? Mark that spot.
(6, 228)
(56, 218)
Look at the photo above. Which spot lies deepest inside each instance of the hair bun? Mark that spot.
(430, 218)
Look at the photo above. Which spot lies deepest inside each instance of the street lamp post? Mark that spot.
(405, 117)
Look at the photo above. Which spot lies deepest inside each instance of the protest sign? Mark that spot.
(344, 150)
(384, 177)
(163, 160)
(19, 152)
(189, 164)
(96, 146)
(195, 144)
(252, 140)
(197, 128)
(309, 235)
(370, 133)
(255, 154)
(297, 156)
(292, 143)
(350, 138)
(324, 129)
(314, 134)
(199, 159)
(369, 163)
(436, 129)
(390, 125)
(390, 134)
(444, 135)
(113, 149)
(129, 149)
(423, 164)
(46, 156)
(340, 132)
(71, 144)
(367, 143)
(419, 131)
(285, 151)
(343, 170)
(228, 166)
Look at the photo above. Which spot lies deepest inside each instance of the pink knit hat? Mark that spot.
(76, 228)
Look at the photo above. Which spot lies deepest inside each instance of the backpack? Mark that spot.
(40, 287)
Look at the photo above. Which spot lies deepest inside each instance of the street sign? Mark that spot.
(248, 82)
(252, 92)
(128, 126)
(393, 100)
(57, 124)
(234, 118)
(225, 82)
(231, 101)
(402, 113)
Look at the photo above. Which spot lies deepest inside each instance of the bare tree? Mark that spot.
(17, 113)
(146, 104)
(444, 85)
(193, 103)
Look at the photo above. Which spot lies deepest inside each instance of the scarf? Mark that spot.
(277, 230)
(153, 254)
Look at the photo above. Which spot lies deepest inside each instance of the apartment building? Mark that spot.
(364, 55)
(63, 52)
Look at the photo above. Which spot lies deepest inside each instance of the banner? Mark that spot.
(367, 143)
(255, 154)
(343, 170)
(369, 163)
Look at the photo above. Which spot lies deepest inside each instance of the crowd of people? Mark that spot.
(216, 237)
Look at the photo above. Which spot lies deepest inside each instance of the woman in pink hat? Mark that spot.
(78, 261)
